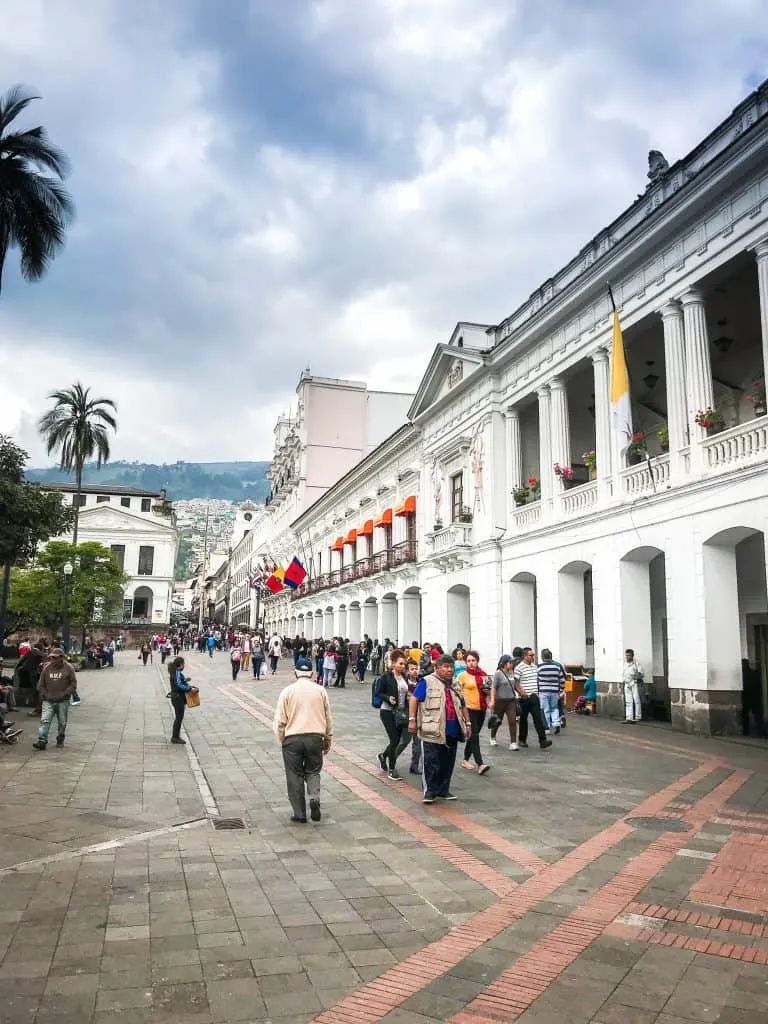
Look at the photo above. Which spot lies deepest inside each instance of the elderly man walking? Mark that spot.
(58, 683)
(303, 724)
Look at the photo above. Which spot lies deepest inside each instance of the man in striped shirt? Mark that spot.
(527, 680)
(551, 685)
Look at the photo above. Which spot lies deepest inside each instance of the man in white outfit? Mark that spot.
(632, 676)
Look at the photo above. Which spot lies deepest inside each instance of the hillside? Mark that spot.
(231, 481)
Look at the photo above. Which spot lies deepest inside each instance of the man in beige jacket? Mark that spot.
(304, 726)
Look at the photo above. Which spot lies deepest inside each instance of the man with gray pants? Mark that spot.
(303, 725)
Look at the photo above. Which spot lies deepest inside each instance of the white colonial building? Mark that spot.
(424, 539)
(138, 527)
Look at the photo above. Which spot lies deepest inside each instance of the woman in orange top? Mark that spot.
(474, 686)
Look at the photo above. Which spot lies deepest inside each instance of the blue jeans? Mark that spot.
(549, 709)
(58, 709)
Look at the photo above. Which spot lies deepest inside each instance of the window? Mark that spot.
(146, 504)
(125, 502)
(118, 553)
(457, 496)
(410, 528)
(146, 560)
(82, 499)
(101, 498)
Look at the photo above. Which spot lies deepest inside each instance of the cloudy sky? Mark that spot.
(263, 186)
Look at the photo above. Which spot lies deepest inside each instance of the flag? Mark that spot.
(621, 408)
(279, 573)
(256, 577)
(294, 574)
(273, 584)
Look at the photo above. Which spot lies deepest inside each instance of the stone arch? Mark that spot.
(644, 622)
(143, 600)
(522, 610)
(458, 617)
(410, 616)
(389, 624)
(575, 608)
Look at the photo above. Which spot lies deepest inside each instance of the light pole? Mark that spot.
(68, 570)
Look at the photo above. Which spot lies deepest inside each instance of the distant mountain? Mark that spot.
(232, 481)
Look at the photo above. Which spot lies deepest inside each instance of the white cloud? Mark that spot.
(444, 157)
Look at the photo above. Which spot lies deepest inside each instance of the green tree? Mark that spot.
(28, 516)
(77, 426)
(37, 592)
(35, 208)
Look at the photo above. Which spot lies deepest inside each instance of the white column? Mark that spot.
(761, 254)
(698, 370)
(603, 440)
(677, 404)
(545, 451)
(514, 450)
(561, 432)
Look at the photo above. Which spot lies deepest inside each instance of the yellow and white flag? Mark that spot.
(621, 407)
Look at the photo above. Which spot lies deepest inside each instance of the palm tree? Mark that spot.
(77, 425)
(35, 208)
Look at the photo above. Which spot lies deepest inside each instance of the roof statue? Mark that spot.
(658, 166)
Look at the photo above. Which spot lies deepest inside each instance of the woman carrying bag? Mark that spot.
(503, 701)
(180, 687)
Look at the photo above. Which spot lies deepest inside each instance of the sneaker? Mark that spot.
(557, 730)
(514, 746)
(522, 744)
(545, 744)
(40, 744)
(449, 796)
(492, 742)
(177, 739)
(11, 734)
(428, 798)
(314, 810)
(468, 765)
(628, 721)
(382, 762)
(59, 741)
(395, 775)
(483, 769)
(299, 821)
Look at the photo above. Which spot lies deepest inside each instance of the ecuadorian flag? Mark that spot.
(621, 408)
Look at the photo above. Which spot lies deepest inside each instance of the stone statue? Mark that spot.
(477, 453)
(437, 490)
(657, 167)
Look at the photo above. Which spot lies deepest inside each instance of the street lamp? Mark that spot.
(68, 570)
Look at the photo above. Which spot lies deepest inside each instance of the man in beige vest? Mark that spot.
(303, 724)
(438, 716)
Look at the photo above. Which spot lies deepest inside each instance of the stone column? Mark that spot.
(514, 450)
(761, 254)
(561, 431)
(698, 370)
(603, 430)
(545, 451)
(677, 403)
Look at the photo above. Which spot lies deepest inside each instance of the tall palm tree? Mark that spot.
(77, 425)
(35, 208)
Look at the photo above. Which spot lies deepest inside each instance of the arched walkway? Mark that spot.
(736, 619)
(354, 622)
(644, 622)
(328, 629)
(388, 619)
(300, 624)
(370, 617)
(410, 617)
(576, 642)
(317, 627)
(143, 598)
(522, 610)
(458, 617)
(343, 621)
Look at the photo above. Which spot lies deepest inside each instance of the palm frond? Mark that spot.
(16, 100)
(77, 427)
(34, 146)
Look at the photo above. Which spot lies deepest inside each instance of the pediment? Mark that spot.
(448, 369)
(106, 517)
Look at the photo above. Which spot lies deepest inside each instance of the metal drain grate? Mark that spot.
(660, 824)
(227, 824)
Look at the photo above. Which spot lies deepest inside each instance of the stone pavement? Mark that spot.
(621, 877)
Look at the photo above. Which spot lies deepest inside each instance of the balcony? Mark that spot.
(450, 547)
(404, 553)
(741, 445)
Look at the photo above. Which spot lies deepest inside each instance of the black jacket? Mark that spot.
(387, 689)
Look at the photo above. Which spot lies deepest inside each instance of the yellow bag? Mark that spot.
(192, 699)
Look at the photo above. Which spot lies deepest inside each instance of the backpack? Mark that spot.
(376, 697)
(257, 651)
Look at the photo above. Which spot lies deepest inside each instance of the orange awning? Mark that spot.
(338, 544)
(351, 537)
(385, 519)
(366, 529)
(408, 507)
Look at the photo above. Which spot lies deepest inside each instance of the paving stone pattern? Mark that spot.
(550, 891)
